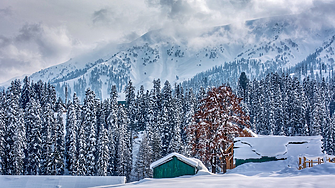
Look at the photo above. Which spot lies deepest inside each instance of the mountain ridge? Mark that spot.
(274, 44)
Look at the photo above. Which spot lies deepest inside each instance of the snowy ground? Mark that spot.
(258, 175)
(251, 175)
(58, 181)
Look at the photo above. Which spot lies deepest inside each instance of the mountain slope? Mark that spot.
(259, 46)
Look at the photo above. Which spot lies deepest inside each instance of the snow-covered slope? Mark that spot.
(318, 177)
(271, 43)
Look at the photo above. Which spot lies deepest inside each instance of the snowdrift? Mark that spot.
(59, 181)
(317, 177)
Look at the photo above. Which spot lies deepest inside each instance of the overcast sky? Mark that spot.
(36, 34)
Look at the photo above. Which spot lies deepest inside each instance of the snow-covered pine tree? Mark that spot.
(165, 131)
(130, 111)
(242, 87)
(272, 106)
(298, 114)
(156, 145)
(16, 132)
(71, 139)
(39, 91)
(150, 119)
(131, 106)
(58, 144)
(187, 120)
(286, 106)
(325, 100)
(26, 93)
(2, 136)
(157, 107)
(276, 105)
(329, 138)
(167, 121)
(124, 155)
(262, 124)
(142, 166)
(308, 92)
(104, 153)
(18, 154)
(48, 122)
(152, 129)
(89, 123)
(78, 108)
(81, 148)
(51, 95)
(317, 113)
(112, 122)
(175, 144)
(254, 105)
(33, 124)
(142, 109)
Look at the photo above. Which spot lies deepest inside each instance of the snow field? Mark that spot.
(59, 181)
(251, 175)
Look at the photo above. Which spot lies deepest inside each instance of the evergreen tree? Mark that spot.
(71, 139)
(188, 119)
(16, 132)
(26, 93)
(112, 123)
(48, 122)
(167, 121)
(317, 114)
(243, 82)
(89, 122)
(165, 131)
(124, 154)
(58, 144)
(33, 124)
(142, 166)
(2, 139)
(131, 106)
(175, 144)
(141, 110)
(81, 148)
(329, 142)
(104, 153)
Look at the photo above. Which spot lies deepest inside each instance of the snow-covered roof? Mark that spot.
(277, 146)
(190, 161)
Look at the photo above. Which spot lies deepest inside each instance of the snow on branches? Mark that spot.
(219, 119)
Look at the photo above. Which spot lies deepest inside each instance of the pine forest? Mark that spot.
(40, 134)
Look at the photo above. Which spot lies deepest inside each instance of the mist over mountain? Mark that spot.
(284, 44)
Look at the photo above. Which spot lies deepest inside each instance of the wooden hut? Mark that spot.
(174, 165)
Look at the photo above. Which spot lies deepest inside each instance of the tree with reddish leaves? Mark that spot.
(217, 122)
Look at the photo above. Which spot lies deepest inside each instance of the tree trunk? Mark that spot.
(213, 164)
(224, 165)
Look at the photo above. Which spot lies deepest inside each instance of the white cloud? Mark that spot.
(36, 46)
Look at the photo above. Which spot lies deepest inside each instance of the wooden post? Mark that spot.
(304, 165)
(299, 161)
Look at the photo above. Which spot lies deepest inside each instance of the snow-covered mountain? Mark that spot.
(256, 47)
